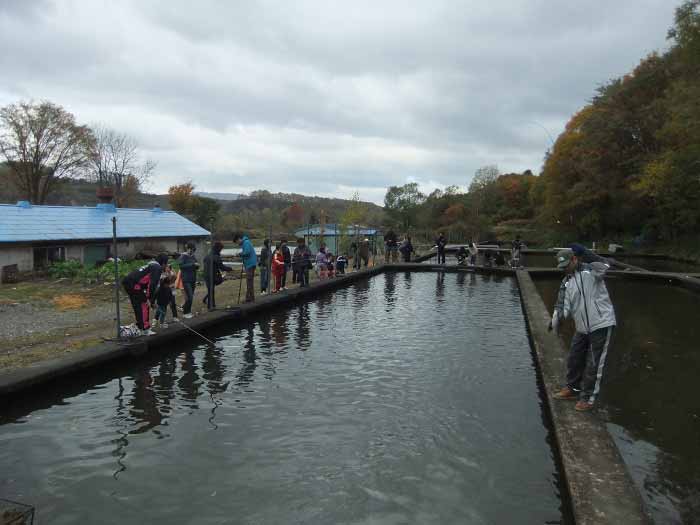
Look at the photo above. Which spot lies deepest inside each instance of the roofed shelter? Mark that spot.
(33, 237)
(332, 235)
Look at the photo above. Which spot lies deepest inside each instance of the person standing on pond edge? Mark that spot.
(584, 296)
(364, 253)
(406, 248)
(250, 261)
(264, 268)
(287, 262)
(441, 242)
(213, 266)
(391, 243)
(141, 285)
(301, 261)
(188, 273)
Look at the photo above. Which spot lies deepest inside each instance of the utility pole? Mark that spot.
(116, 275)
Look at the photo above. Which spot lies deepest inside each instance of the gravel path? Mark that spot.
(24, 319)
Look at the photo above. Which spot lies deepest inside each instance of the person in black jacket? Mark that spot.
(264, 264)
(440, 243)
(188, 273)
(287, 262)
(141, 285)
(213, 266)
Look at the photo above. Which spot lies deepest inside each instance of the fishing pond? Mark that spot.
(406, 397)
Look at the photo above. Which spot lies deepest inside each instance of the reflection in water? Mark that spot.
(440, 287)
(303, 341)
(120, 422)
(358, 426)
(188, 383)
(144, 403)
(390, 290)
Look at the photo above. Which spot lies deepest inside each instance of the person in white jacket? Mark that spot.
(584, 297)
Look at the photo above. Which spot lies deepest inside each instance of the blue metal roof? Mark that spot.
(332, 229)
(23, 222)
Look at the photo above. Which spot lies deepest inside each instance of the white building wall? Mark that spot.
(74, 252)
(22, 256)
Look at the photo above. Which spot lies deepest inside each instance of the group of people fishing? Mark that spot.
(152, 285)
(392, 247)
(492, 256)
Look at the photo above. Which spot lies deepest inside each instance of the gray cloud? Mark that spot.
(323, 97)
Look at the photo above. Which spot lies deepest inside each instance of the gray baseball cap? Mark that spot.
(563, 258)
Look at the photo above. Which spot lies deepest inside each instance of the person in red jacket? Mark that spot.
(141, 285)
(278, 268)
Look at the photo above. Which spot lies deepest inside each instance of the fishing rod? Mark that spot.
(177, 320)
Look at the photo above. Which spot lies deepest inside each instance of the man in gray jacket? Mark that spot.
(584, 296)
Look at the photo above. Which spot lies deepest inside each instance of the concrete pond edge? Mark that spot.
(599, 486)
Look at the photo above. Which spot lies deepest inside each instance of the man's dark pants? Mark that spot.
(250, 285)
(586, 362)
(189, 296)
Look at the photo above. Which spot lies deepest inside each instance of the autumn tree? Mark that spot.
(293, 216)
(115, 163)
(180, 197)
(42, 145)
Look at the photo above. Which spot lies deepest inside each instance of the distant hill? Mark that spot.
(220, 196)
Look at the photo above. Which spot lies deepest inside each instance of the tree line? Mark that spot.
(627, 165)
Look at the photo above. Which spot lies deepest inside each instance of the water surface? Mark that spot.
(406, 398)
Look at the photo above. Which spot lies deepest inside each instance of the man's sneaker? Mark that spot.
(163, 325)
(188, 316)
(263, 292)
(566, 394)
(147, 332)
(583, 406)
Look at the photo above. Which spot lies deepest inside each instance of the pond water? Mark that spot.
(406, 398)
(648, 395)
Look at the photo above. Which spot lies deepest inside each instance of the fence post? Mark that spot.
(115, 256)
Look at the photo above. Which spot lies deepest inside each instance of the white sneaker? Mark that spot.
(154, 323)
(188, 316)
(164, 325)
(263, 292)
(147, 332)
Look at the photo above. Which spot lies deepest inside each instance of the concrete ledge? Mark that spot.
(451, 268)
(600, 487)
(689, 281)
(15, 381)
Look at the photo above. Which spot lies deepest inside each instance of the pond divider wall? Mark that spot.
(600, 488)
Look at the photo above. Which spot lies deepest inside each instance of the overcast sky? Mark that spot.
(323, 97)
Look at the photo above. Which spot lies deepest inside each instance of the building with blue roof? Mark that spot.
(32, 237)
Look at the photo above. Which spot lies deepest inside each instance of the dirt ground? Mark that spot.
(43, 319)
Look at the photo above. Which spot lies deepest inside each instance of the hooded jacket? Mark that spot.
(188, 268)
(250, 260)
(584, 297)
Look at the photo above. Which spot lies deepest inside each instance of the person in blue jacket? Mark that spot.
(250, 261)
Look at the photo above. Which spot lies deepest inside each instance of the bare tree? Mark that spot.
(115, 163)
(42, 145)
